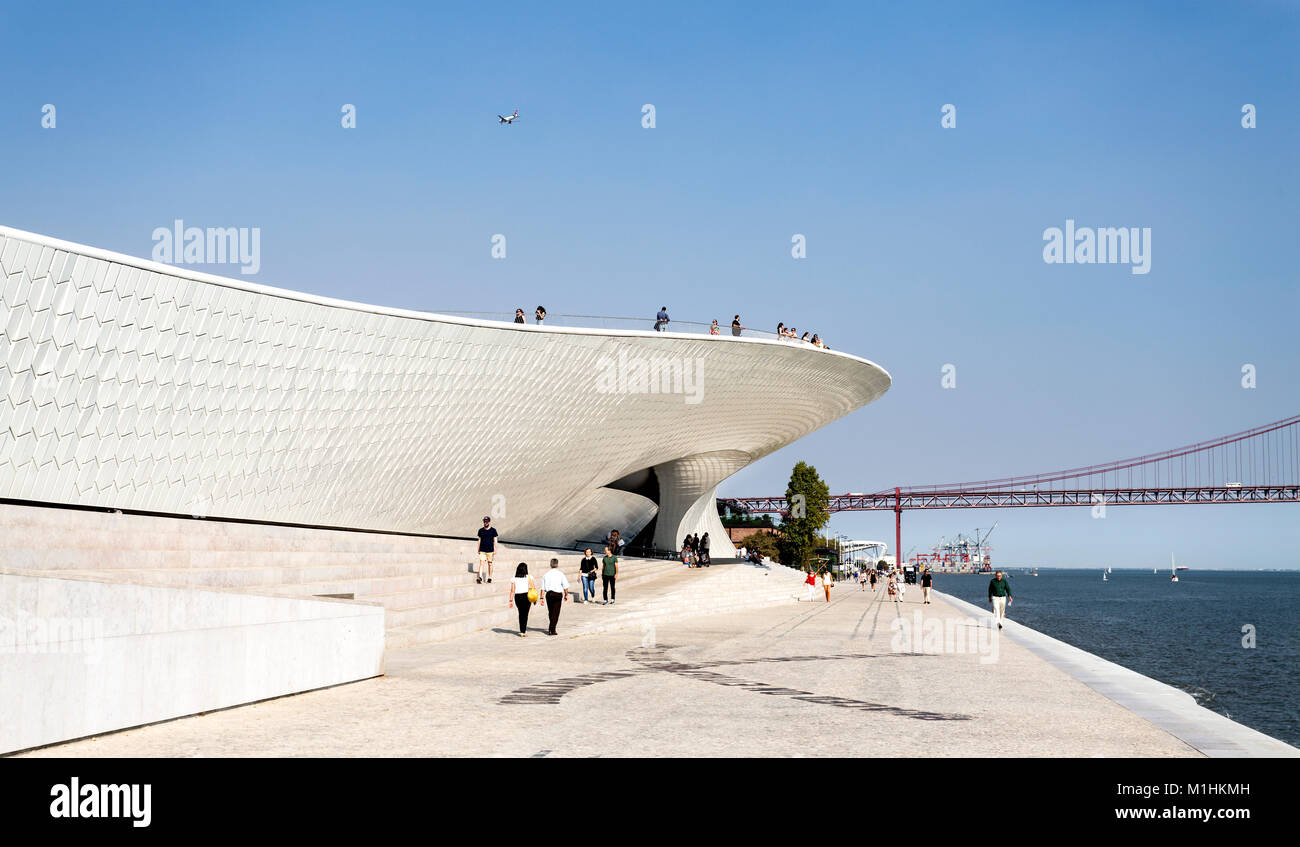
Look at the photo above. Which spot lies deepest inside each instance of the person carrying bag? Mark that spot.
(523, 594)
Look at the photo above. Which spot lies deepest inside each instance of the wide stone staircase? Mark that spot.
(426, 585)
(727, 586)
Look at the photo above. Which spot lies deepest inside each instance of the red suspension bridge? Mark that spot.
(1260, 465)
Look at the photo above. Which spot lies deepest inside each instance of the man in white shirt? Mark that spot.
(555, 585)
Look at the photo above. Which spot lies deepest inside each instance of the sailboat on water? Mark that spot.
(1104, 578)
(1173, 569)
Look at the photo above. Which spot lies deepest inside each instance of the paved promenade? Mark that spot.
(800, 679)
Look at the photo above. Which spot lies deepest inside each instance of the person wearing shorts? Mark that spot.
(487, 546)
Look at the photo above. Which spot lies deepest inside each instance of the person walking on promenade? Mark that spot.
(589, 564)
(556, 587)
(862, 580)
(608, 575)
(999, 596)
(487, 546)
(872, 578)
(927, 582)
(827, 580)
(735, 326)
(893, 587)
(811, 582)
(705, 559)
(522, 595)
(661, 319)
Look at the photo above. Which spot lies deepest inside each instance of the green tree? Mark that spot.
(807, 512)
(765, 543)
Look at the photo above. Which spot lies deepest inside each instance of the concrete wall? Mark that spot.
(81, 657)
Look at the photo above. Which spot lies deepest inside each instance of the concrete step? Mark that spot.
(138, 536)
(137, 559)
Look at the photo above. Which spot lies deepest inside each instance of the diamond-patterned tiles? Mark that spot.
(134, 386)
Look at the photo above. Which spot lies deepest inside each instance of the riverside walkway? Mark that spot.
(793, 679)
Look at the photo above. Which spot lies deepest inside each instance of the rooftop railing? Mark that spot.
(607, 322)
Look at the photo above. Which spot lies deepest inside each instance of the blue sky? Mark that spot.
(924, 244)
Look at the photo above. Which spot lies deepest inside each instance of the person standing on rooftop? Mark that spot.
(999, 596)
(540, 315)
(556, 587)
(713, 328)
(519, 317)
(661, 319)
(735, 326)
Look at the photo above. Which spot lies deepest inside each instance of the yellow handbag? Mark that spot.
(532, 591)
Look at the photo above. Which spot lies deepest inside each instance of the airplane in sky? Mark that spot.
(508, 119)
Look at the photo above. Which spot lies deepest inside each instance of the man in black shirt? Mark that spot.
(927, 582)
(735, 326)
(487, 546)
(589, 564)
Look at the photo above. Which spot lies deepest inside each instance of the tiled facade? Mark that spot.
(133, 385)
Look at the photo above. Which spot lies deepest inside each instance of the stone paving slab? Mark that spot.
(800, 679)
